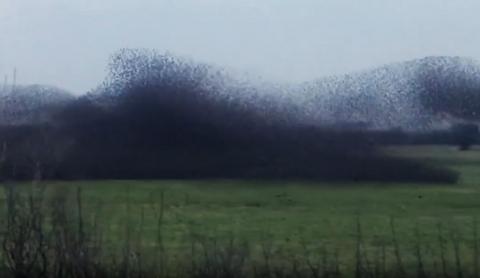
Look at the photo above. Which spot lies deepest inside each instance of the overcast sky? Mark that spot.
(67, 42)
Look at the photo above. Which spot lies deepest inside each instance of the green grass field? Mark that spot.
(289, 214)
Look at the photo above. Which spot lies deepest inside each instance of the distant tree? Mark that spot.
(465, 135)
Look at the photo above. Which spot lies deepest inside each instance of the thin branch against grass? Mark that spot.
(71, 246)
(400, 269)
(475, 247)
(442, 248)
(418, 252)
(455, 238)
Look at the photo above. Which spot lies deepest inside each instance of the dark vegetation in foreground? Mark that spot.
(160, 117)
(53, 237)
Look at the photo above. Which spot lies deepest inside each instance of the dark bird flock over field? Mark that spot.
(160, 116)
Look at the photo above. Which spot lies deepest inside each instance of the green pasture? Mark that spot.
(286, 214)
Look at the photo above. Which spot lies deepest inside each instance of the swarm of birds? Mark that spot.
(432, 92)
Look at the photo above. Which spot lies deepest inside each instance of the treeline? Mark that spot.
(463, 135)
(157, 116)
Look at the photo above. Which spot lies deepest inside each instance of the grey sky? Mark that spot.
(67, 42)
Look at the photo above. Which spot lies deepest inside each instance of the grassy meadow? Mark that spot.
(291, 217)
